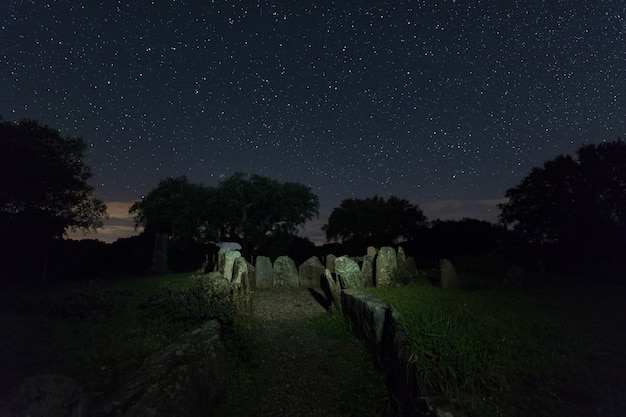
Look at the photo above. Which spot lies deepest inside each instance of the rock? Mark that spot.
(406, 267)
(440, 407)
(386, 267)
(285, 272)
(334, 289)
(264, 272)
(240, 270)
(348, 273)
(372, 251)
(183, 379)
(241, 286)
(449, 278)
(366, 275)
(225, 260)
(310, 272)
(330, 263)
(46, 396)
(252, 276)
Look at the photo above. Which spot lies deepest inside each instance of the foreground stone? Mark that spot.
(285, 272)
(264, 272)
(348, 272)
(45, 396)
(182, 379)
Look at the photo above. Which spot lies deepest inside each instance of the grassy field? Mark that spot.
(542, 350)
(92, 331)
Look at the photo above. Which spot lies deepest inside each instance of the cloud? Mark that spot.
(120, 224)
(486, 209)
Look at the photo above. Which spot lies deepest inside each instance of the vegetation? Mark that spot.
(578, 203)
(243, 209)
(95, 331)
(374, 221)
(43, 192)
(540, 351)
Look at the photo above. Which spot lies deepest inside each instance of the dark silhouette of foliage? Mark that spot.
(374, 220)
(243, 209)
(575, 202)
(43, 183)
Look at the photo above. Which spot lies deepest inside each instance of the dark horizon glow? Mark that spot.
(446, 104)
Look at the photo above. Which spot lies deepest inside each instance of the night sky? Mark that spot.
(444, 103)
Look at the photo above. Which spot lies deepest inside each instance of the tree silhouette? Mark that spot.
(579, 202)
(374, 221)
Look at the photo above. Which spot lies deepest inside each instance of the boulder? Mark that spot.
(449, 278)
(330, 263)
(386, 267)
(183, 379)
(225, 260)
(407, 270)
(366, 275)
(348, 273)
(217, 284)
(372, 251)
(285, 272)
(334, 289)
(264, 272)
(310, 272)
(46, 396)
(241, 286)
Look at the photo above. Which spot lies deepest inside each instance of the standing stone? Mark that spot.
(367, 271)
(449, 278)
(330, 263)
(334, 288)
(285, 272)
(240, 270)
(264, 272)
(386, 267)
(311, 272)
(406, 267)
(347, 271)
(252, 276)
(225, 260)
(241, 285)
(372, 251)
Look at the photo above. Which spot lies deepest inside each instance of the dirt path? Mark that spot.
(309, 364)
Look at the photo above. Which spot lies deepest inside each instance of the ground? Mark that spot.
(305, 364)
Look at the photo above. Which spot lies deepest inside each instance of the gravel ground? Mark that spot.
(302, 373)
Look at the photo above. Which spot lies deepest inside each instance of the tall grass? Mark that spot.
(523, 352)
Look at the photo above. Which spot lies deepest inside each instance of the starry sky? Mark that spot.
(445, 103)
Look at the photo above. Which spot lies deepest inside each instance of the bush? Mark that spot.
(185, 308)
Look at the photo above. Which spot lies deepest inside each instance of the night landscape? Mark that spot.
(340, 208)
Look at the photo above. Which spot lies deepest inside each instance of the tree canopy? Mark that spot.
(575, 201)
(374, 220)
(43, 183)
(242, 208)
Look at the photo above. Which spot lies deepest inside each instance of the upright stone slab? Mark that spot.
(367, 271)
(264, 272)
(252, 276)
(386, 267)
(240, 271)
(334, 288)
(310, 272)
(241, 285)
(449, 278)
(330, 263)
(372, 251)
(348, 273)
(285, 272)
(406, 266)
(225, 260)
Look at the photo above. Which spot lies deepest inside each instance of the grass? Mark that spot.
(536, 351)
(94, 331)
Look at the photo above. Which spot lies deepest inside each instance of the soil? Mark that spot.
(300, 371)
